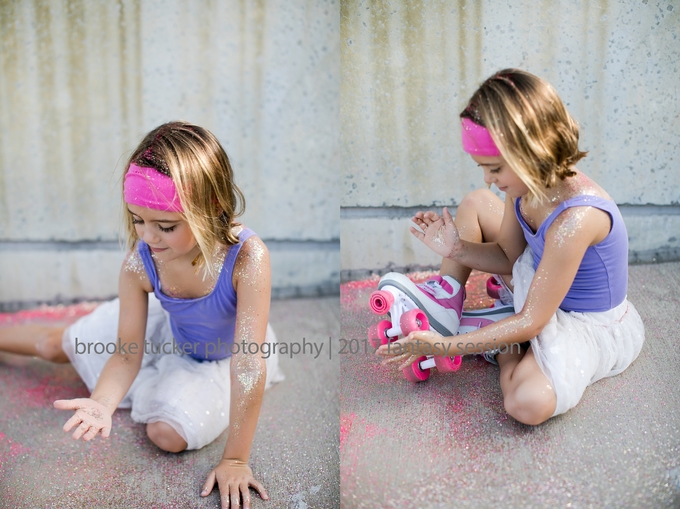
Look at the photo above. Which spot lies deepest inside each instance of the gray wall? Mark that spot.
(408, 69)
(81, 82)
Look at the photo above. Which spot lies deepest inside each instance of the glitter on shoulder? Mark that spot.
(252, 264)
(133, 263)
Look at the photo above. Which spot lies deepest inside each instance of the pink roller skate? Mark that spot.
(434, 305)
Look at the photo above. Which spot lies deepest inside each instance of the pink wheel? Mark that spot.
(448, 364)
(373, 336)
(413, 320)
(493, 287)
(377, 334)
(381, 301)
(414, 374)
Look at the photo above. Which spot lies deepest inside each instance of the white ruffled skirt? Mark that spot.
(191, 395)
(576, 349)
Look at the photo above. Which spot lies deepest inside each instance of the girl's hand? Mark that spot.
(234, 477)
(406, 351)
(438, 233)
(91, 417)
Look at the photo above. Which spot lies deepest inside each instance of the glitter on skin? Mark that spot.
(206, 287)
(567, 224)
(249, 267)
(439, 238)
(578, 185)
(133, 263)
(248, 370)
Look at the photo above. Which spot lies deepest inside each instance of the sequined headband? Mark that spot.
(151, 189)
(477, 140)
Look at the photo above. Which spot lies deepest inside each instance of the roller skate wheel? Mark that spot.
(493, 288)
(413, 373)
(448, 364)
(381, 301)
(414, 320)
(377, 334)
(373, 336)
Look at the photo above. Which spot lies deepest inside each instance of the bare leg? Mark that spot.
(165, 436)
(527, 393)
(478, 219)
(38, 340)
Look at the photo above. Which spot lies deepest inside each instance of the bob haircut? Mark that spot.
(202, 174)
(530, 126)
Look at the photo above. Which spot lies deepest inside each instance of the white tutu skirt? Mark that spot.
(191, 395)
(576, 349)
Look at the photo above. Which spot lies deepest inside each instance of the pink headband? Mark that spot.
(149, 188)
(477, 140)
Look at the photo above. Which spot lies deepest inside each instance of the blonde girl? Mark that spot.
(558, 241)
(181, 345)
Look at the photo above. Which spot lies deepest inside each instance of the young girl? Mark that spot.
(559, 238)
(177, 346)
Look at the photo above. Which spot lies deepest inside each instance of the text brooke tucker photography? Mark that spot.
(207, 349)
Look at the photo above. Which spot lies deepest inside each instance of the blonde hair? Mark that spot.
(202, 174)
(530, 126)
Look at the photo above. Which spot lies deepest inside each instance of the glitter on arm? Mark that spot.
(133, 264)
(252, 266)
(252, 282)
(567, 225)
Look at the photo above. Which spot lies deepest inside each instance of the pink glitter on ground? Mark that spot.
(346, 422)
(361, 284)
(373, 431)
(47, 391)
(370, 430)
(15, 448)
(58, 313)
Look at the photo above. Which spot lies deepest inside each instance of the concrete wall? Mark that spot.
(408, 69)
(81, 82)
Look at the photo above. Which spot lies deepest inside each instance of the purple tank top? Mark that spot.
(206, 324)
(601, 282)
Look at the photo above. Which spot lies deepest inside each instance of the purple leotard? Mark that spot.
(601, 282)
(206, 324)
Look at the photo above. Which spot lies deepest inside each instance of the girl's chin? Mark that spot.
(512, 193)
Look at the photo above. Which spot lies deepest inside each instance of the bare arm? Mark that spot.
(122, 368)
(252, 281)
(567, 239)
(495, 257)
(248, 371)
(93, 415)
(441, 235)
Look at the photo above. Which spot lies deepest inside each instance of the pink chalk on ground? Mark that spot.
(59, 313)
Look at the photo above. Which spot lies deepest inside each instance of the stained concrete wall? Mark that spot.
(80, 84)
(408, 69)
